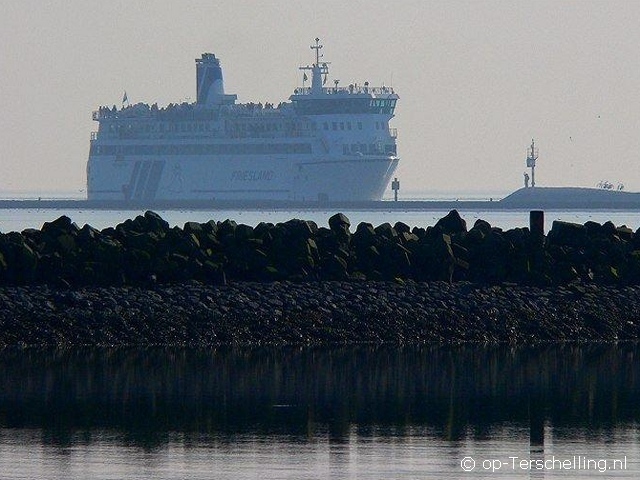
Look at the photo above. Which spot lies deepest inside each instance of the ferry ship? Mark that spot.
(327, 143)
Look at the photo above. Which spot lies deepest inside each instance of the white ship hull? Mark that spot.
(141, 178)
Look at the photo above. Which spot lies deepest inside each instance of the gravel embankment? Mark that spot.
(316, 313)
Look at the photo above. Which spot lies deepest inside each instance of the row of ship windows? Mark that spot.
(271, 126)
(215, 149)
(341, 125)
(207, 127)
(348, 126)
(370, 149)
(162, 127)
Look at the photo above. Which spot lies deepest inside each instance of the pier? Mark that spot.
(539, 198)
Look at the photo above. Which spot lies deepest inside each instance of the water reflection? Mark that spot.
(456, 392)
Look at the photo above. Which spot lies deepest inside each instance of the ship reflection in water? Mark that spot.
(358, 412)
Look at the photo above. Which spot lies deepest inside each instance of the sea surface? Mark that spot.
(555, 411)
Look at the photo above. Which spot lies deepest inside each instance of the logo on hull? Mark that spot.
(252, 175)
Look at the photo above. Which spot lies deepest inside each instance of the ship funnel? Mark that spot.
(209, 83)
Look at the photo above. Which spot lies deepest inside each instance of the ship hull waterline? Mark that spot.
(202, 178)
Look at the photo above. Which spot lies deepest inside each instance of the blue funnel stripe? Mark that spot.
(207, 76)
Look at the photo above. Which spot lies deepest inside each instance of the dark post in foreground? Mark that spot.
(536, 222)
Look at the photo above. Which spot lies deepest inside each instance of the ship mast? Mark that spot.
(317, 70)
(317, 47)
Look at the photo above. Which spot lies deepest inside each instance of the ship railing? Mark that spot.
(289, 134)
(393, 132)
(351, 89)
(255, 107)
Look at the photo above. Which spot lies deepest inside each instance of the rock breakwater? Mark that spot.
(146, 251)
(146, 283)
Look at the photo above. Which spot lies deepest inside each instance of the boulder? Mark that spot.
(88, 234)
(227, 228)
(20, 259)
(301, 228)
(452, 223)
(401, 228)
(624, 233)
(339, 221)
(365, 235)
(3, 266)
(66, 244)
(335, 268)
(193, 227)
(60, 225)
(385, 230)
(146, 241)
(569, 234)
(593, 229)
(407, 237)
(32, 236)
(155, 222)
(419, 232)
(263, 230)
(482, 225)
(608, 228)
(243, 232)
(210, 228)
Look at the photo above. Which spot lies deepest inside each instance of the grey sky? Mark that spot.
(477, 79)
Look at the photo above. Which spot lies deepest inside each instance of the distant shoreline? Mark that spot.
(409, 205)
(567, 198)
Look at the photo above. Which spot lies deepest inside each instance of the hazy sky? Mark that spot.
(477, 79)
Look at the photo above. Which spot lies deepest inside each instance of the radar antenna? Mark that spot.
(317, 47)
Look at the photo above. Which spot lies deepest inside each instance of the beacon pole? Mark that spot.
(532, 156)
(395, 186)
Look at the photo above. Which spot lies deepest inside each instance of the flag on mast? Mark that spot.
(125, 99)
(304, 77)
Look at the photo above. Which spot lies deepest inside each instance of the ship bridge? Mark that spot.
(353, 99)
(344, 101)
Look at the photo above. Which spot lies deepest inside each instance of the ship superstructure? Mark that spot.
(327, 143)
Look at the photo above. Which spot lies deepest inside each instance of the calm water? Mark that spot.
(342, 413)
